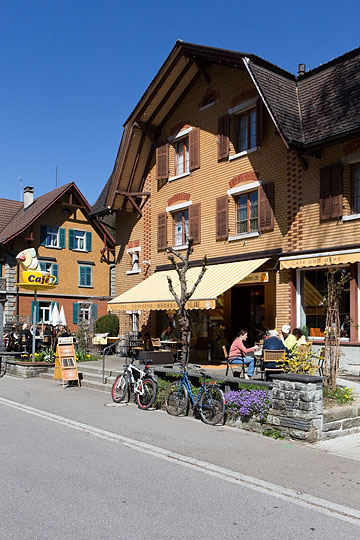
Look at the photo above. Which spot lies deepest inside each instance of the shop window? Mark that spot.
(313, 292)
(247, 212)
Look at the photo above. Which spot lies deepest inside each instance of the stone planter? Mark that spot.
(25, 370)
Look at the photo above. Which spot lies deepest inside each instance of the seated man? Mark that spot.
(274, 343)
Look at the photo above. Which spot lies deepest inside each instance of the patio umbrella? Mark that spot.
(55, 316)
(62, 316)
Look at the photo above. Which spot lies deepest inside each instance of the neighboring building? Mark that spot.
(262, 169)
(77, 249)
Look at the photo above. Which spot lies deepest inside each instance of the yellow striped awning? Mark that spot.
(153, 292)
(320, 259)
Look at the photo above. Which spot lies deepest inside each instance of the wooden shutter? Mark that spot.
(337, 190)
(75, 313)
(62, 238)
(71, 239)
(222, 207)
(195, 222)
(223, 136)
(88, 240)
(55, 271)
(43, 234)
(266, 207)
(162, 162)
(259, 121)
(331, 191)
(94, 311)
(162, 232)
(194, 149)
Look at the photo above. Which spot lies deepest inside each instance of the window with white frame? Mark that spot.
(44, 312)
(80, 240)
(181, 227)
(84, 311)
(134, 321)
(247, 212)
(246, 129)
(52, 237)
(182, 156)
(134, 254)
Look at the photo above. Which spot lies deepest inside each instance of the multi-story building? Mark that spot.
(262, 168)
(77, 249)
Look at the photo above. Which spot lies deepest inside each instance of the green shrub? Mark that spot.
(107, 324)
(341, 394)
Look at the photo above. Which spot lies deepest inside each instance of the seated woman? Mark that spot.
(168, 334)
(238, 352)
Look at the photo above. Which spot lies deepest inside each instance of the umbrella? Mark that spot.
(55, 316)
(62, 316)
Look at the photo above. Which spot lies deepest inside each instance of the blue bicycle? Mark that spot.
(209, 402)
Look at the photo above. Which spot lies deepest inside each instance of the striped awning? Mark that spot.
(153, 292)
(320, 259)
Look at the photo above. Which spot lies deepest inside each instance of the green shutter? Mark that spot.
(55, 271)
(94, 311)
(75, 313)
(71, 239)
(61, 238)
(43, 234)
(88, 241)
(82, 276)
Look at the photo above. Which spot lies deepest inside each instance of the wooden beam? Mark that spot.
(70, 205)
(132, 193)
(137, 208)
(201, 68)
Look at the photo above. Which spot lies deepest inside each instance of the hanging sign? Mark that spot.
(256, 277)
(33, 277)
(65, 361)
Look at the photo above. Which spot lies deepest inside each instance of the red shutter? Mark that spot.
(162, 232)
(223, 136)
(325, 193)
(222, 207)
(162, 162)
(266, 207)
(337, 190)
(259, 121)
(194, 149)
(195, 222)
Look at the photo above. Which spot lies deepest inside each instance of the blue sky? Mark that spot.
(72, 71)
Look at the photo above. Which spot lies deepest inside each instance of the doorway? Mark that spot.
(248, 311)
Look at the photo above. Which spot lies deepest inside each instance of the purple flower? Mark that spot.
(247, 403)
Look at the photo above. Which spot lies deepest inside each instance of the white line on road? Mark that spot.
(303, 499)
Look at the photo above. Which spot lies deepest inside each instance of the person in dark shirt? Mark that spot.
(274, 343)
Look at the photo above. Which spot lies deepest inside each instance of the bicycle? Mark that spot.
(141, 382)
(209, 402)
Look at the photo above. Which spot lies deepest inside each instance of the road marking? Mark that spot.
(302, 499)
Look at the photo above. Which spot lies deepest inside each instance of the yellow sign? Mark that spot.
(65, 361)
(33, 278)
(320, 260)
(256, 277)
(38, 278)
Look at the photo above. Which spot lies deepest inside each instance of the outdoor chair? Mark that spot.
(270, 357)
(231, 365)
(156, 344)
(318, 359)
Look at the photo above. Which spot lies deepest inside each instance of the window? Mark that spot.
(53, 237)
(44, 312)
(79, 240)
(247, 212)
(331, 191)
(84, 312)
(313, 290)
(246, 131)
(181, 220)
(134, 254)
(85, 276)
(134, 321)
(355, 180)
(52, 268)
(182, 156)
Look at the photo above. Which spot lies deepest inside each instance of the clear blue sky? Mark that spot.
(73, 70)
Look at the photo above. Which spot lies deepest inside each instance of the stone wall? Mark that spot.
(341, 421)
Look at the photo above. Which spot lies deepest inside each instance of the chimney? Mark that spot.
(28, 196)
(301, 69)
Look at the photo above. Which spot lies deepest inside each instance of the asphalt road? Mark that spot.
(76, 469)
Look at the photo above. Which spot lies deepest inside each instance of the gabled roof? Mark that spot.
(321, 105)
(8, 210)
(18, 222)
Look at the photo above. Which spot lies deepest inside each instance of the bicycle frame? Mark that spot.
(135, 382)
(194, 398)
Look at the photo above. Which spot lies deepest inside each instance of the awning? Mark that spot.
(320, 259)
(153, 292)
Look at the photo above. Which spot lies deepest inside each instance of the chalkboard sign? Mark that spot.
(65, 361)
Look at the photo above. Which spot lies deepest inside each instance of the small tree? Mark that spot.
(185, 295)
(336, 283)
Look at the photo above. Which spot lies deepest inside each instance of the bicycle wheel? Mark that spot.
(212, 405)
(176, 399)
(146, 394)
(120, 387)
